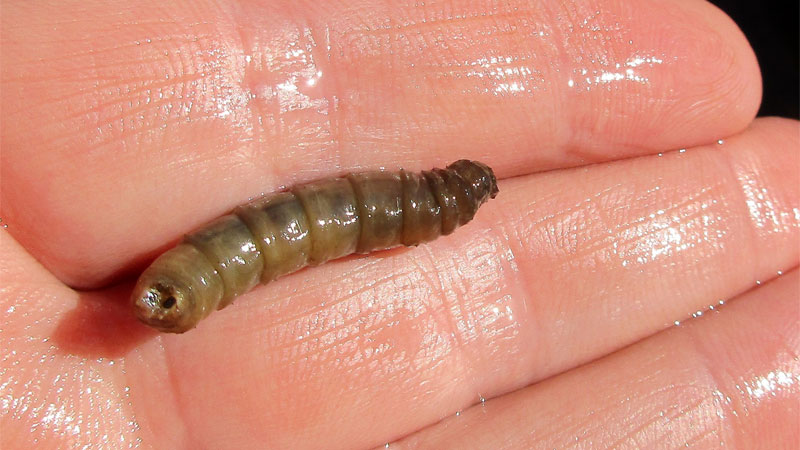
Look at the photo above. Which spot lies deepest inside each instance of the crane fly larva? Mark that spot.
(307, 225)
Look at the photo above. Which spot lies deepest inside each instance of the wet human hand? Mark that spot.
(636, 192)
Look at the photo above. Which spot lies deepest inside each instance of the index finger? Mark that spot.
(121, 131)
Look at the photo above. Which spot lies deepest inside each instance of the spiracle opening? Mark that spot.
(168, 302)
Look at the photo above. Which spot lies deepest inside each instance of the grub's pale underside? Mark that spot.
(305, 226)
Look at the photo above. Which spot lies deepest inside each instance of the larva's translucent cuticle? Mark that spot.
(310, 224)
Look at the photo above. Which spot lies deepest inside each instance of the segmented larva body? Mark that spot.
(283, 232)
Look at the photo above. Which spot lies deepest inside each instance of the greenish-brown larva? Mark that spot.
(305, 226)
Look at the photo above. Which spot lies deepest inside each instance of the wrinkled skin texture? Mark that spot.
(125, 124)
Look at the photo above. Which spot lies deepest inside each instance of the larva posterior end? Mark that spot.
(162, 307)
(178, 289)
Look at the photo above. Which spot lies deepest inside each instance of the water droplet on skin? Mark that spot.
(677, 323)
(780, 272)
(683, 150)
(660, 155)
(758, 282)
(720, 142)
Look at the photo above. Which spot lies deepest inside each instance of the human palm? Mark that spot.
(549, 321)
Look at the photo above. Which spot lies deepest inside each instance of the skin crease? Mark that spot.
(735, 381)
(222, 90)
(120, 147)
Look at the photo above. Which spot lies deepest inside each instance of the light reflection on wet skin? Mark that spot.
(82, 415)
(291, 95)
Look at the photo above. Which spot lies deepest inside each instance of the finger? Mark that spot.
(52, 394)
(728, 380)
(547, 279)
(123, 130)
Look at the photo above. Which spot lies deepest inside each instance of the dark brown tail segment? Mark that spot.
(437, 202)
(479, 175)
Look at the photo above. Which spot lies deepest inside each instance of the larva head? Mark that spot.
(178, 290)
(479, 176)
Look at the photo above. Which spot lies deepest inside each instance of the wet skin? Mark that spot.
(123, 126)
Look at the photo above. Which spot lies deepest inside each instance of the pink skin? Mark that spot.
(728, 383)
(124, 127)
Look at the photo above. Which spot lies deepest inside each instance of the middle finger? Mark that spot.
(561, 269)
